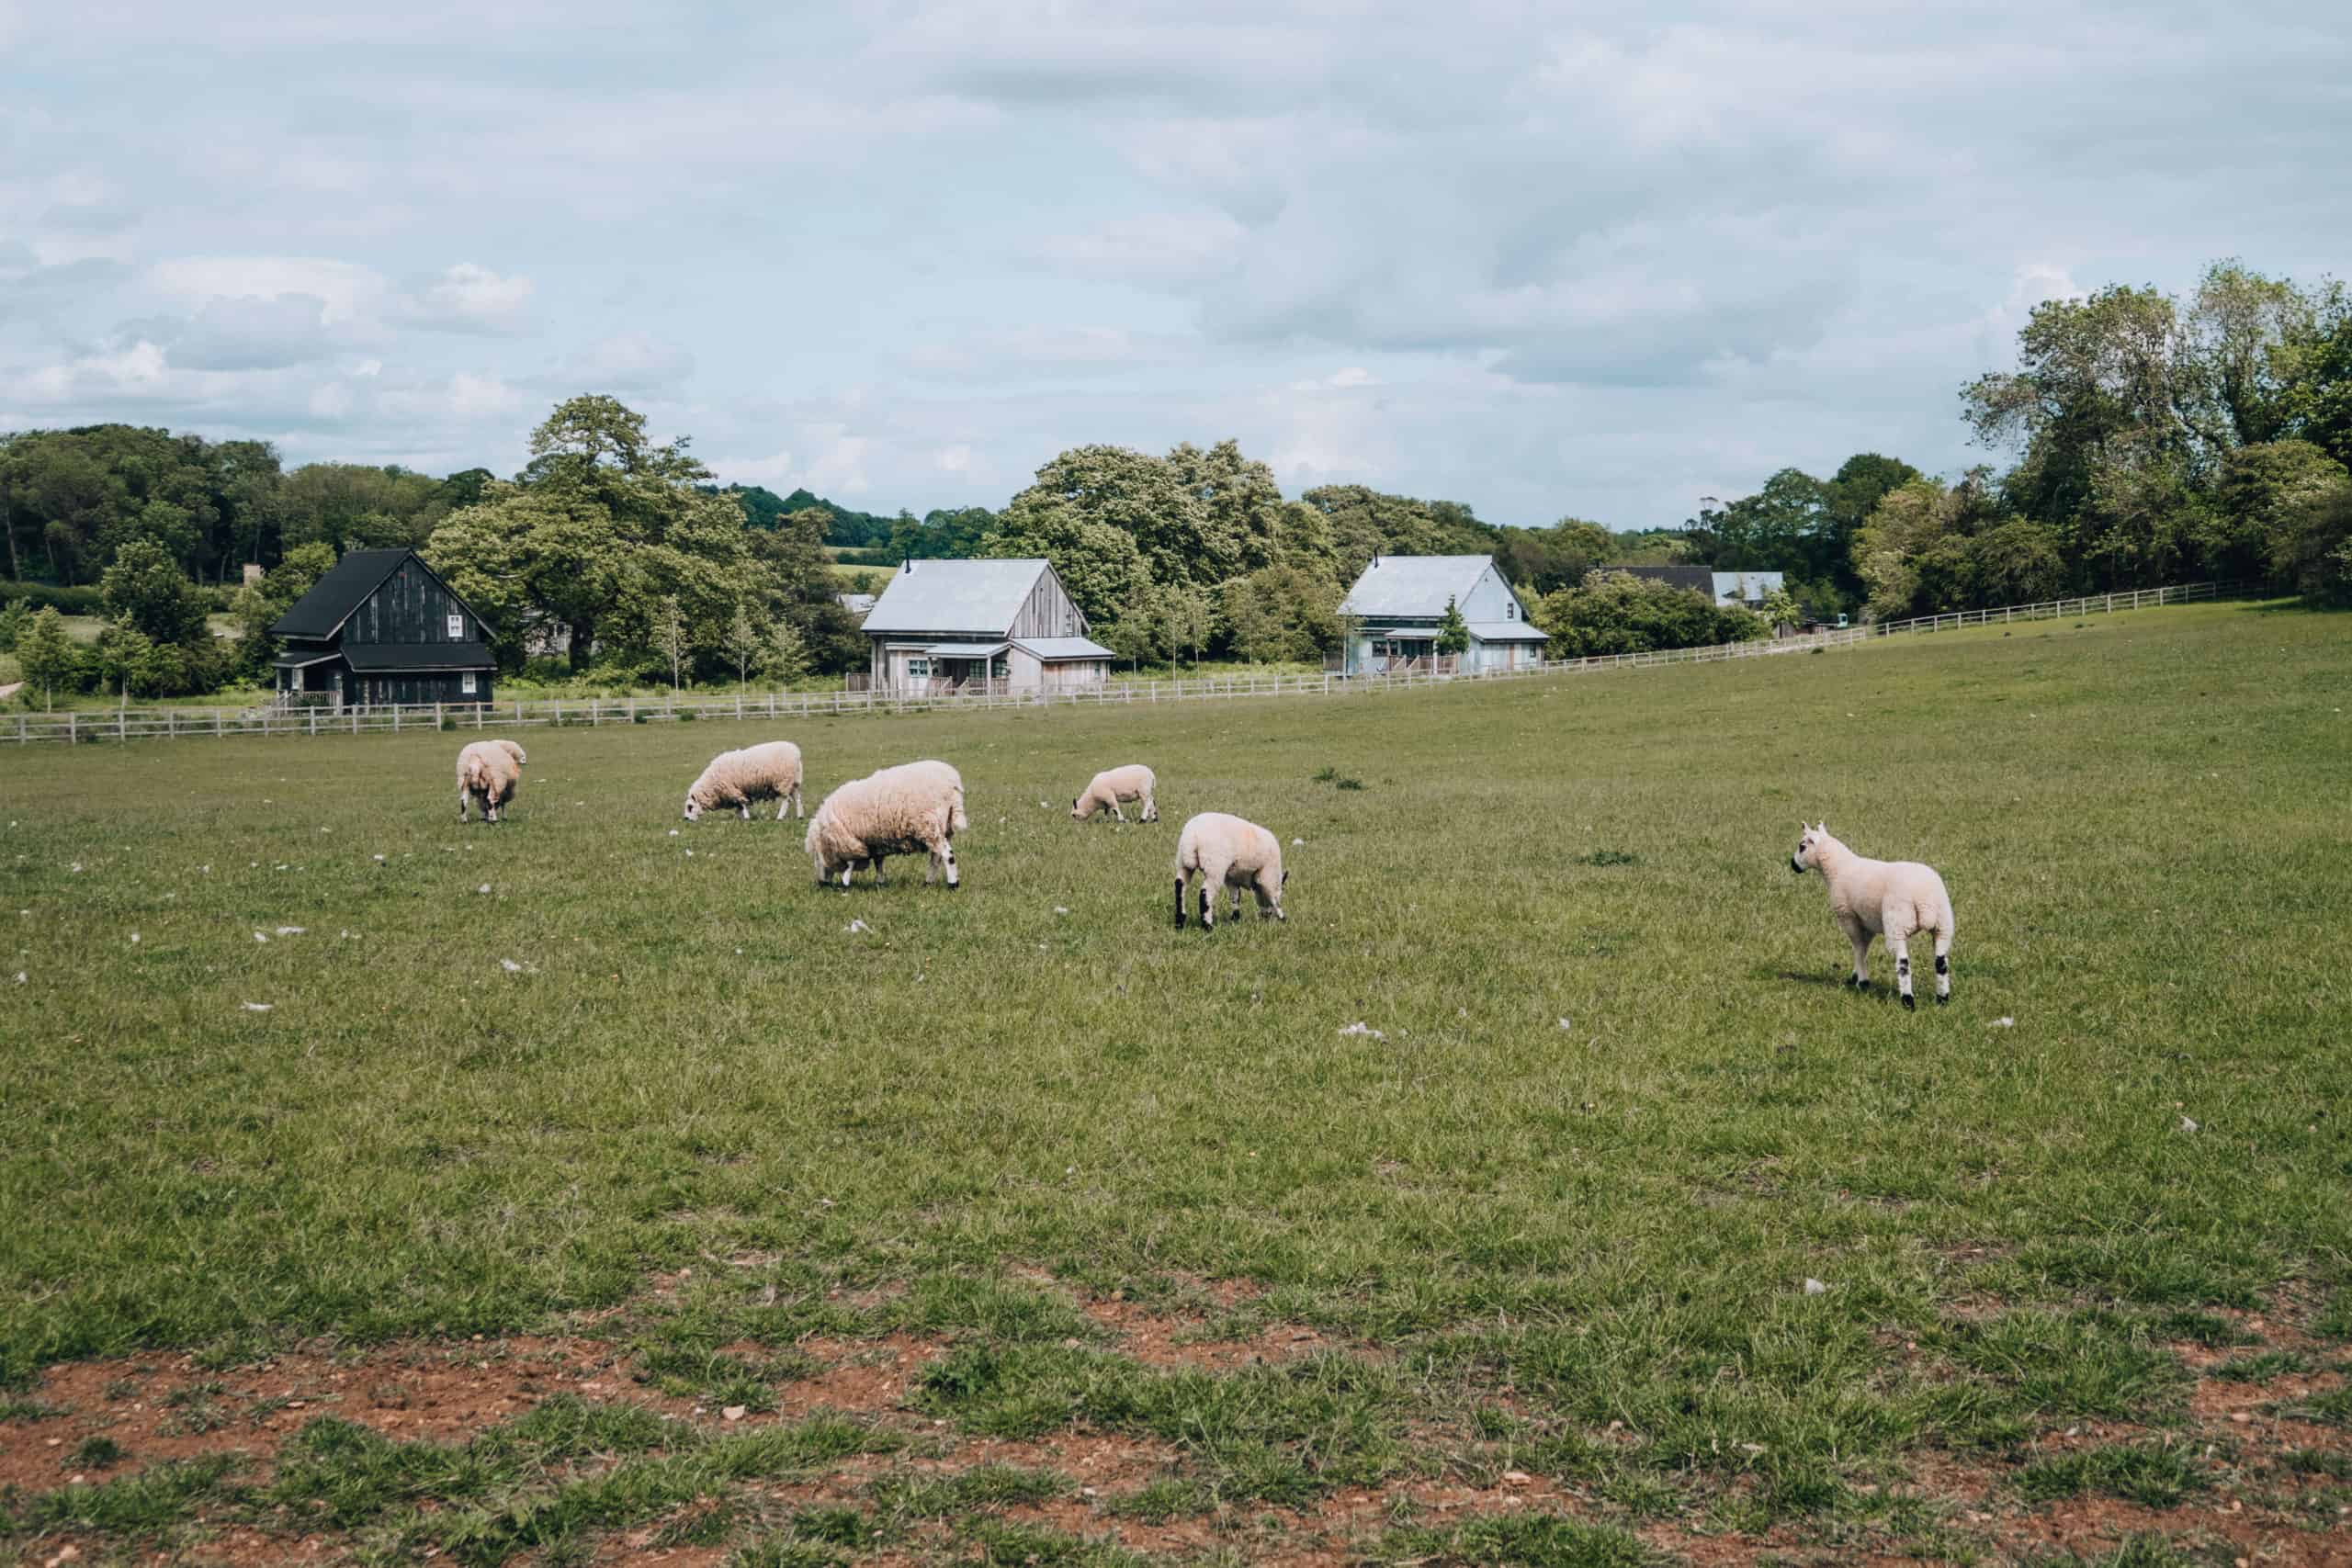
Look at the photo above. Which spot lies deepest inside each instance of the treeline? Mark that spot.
(71, 499)
(2154, 438)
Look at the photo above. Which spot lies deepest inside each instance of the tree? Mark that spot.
(1779, 607)
(1282, 613)
(787, 653)
(1453, 631)
(1618, 612)
(46, 656)
(670, 635)
(601, 529)
(1099, 564)
(1188, 618)
(128, 660)
(1132, 493)
(145, 589)
(745, 642)
(2264, 494)
(1240, 513)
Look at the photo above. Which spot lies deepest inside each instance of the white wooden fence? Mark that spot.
(131, 724)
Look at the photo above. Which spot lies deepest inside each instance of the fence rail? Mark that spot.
(134, 724)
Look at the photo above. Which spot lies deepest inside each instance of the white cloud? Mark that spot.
(469, 299)
(625, 362)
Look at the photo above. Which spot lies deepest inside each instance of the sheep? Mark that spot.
(1227, 851)
(489, 772)
(768, 772)
(1109, 787)
(894, 811)
(1868, 897)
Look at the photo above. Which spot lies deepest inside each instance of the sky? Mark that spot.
(1549, 260)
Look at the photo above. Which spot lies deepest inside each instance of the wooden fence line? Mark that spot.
(127, 724)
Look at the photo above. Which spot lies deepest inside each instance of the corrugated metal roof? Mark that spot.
(966, 650)
(300, 661)
(375, 658)
(1507, 631)
(955, 596)
(1412, 585)
(1750, 586)
(1052, 649)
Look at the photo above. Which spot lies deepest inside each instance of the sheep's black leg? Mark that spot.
(1208, 904)
(1179, 903)
(1902, 975)
(1943, 971)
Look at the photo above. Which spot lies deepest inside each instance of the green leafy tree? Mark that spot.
(602, 529)
(1779, 607)
(1098, 563)
(1612, 613)
(1129, 492)
(1240, 506)
(745, 642)
(787, 659)
(1453, 631)
(15, 617)
(47, 655)
(673, 638)
(1188, 619)
(2313, 547)
(129, 661)
(2265, 497)
(1282, 613)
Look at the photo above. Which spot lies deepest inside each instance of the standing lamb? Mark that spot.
(1228, 852)
(913, 807)
(1109, 787)
(489, 772)
(770, 771)
(1868, 897)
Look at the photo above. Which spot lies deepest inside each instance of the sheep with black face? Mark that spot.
(1869, 898)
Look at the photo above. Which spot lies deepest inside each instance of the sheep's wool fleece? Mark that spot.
(1132, 782)
(490, 768)
(1895, 899)
(755, 772)
(1245, 851)
(896, 811)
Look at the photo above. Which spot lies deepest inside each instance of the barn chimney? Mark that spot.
(907, 565)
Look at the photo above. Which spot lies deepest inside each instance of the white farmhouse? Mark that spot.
(1398, 603)
(945, 623)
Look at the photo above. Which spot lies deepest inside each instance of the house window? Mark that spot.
(466, 684)
(998, 668)
(1510, 611)
(918, 669)
(456, 628)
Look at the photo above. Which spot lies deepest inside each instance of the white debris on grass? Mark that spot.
(134, 939)
(261, 936)
(77, 865)
(1567, 1023)
(856, 926)
(259, 1006)
(734, 1412)
(20, 976)
(673, 832)
(380, 860)
(484, 888)
(2188, 1124)
(1814, 1287)
(291, 930)
(1059, 910)
(1361, 1028)
(510, 967)
(2005, 1021)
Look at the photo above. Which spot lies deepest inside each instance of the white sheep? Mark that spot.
(1228, 852)
(1109, 787)
(770, 771)
(913, 807)
(1868, 896)
(489, 772)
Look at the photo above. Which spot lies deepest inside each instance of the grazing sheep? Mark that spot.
(1109, 787)
(489, 772)
(915, 806)
(770, 771)
(1868, 897)
(1228, 852)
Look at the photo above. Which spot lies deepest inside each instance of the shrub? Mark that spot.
(65, 601)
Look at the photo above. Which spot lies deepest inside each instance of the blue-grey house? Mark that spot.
(1396, 604)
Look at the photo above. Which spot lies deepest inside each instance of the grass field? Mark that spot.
(594, 1188)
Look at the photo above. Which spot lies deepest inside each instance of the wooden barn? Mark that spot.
(987, 624)
(381, 627)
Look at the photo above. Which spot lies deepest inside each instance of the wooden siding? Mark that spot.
(1048, 612)
(421, 686)
(410, 607)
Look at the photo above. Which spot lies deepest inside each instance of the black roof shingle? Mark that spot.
(376, 658)
(346, 587)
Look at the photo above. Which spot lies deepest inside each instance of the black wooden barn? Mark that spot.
(381, 627)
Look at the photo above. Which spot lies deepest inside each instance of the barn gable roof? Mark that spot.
(1413, 585)
(321, 613)
(955, 596)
